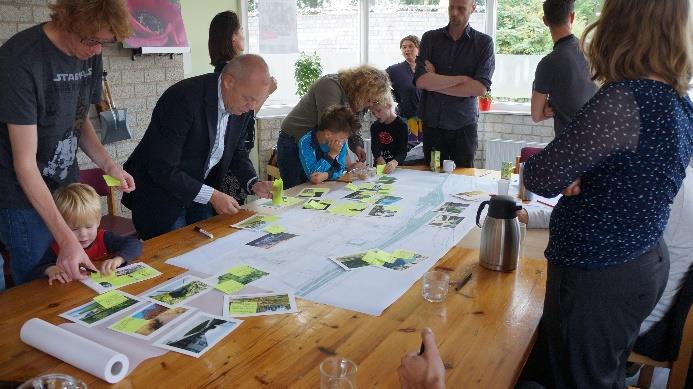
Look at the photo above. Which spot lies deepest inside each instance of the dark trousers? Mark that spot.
(591, 320)
(288, 161)
(458, 145)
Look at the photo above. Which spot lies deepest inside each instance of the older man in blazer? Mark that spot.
(196, 134)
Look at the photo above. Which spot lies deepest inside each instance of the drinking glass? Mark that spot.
(338, 373)
(54, 381)
(435, 286)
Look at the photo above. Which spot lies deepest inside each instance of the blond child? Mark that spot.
(80, 206)
(388, 135)
(323, 151)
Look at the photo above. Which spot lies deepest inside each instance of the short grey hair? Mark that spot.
(245, 65)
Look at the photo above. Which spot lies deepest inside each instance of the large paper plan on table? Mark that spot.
(302, 264)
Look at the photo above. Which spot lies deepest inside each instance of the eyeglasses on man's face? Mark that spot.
(91, 42)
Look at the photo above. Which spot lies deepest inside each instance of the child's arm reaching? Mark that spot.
(108, 266)
(55, 273)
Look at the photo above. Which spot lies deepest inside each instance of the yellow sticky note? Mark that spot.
(240, 270)
(243, 307)
(111, 181)
(110, 299)
(130, 324)
(372, 258)
(406, 254)
(230, 286)
(380, 169)
(351, 186)
(275, 229)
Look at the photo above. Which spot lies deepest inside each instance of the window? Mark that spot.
(345, 33)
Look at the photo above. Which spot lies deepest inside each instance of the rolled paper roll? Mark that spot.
(84, 354)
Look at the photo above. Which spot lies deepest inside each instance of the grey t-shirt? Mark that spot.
(324, 93)
(41, 85)
(564, 75)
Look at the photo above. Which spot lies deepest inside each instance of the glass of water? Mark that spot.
(54, 381)
(435, 286)
(338, 373)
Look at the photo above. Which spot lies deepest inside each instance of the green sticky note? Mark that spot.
(240, 270)
(385, 192)
(369, 200)
(405, 254)
(243, 307)
(230, 286)
(380, 170)
(111, 181)
(130, 324)
(275, 229)
(351, 186)
(110, 299)
(374, 258)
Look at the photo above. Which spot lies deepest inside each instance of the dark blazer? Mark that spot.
(168, 165)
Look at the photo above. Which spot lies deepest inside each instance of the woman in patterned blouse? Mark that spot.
(619, 165)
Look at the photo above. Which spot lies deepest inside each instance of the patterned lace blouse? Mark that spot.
(629, 145)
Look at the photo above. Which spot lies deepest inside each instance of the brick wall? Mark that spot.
(504, 125)
(135, 85)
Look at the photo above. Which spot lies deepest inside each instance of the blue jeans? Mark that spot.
(27, 238)
(193, 214)
(288, 161)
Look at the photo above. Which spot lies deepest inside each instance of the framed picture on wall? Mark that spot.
(157, 27)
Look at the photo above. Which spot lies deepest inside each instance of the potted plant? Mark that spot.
(308, 69)
(485, 101)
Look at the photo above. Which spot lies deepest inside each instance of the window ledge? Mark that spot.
(507, 108)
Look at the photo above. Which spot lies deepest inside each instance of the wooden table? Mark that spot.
(485, 331)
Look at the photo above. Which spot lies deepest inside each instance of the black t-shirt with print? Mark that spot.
(41, 85)
(390, 140)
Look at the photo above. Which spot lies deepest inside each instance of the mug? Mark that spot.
(449, 166)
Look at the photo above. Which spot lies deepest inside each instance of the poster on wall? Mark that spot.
(277, 26)
(157, 27)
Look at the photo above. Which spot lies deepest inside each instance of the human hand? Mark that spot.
(425, 371)
(318, 177)
(429, 67)
(262, 189)
(55, 273)
(335, 146)
(127, 183)
(390, 166)
(110, 265)
(346, 177)
(572, 189)
(380, 161)
(223, 203)
(360, 154)
(548, 110)
(357, 165)
(522, 215)
(71, 257)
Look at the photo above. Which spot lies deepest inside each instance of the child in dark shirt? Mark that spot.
(80, 206)
(388, 136)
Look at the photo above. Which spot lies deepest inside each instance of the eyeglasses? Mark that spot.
(91, 42)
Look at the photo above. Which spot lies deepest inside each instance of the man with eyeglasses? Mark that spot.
(49, 76)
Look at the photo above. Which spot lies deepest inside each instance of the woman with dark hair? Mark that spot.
(406, 94)
(225, 42)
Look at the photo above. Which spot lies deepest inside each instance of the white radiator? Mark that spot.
(504, 150)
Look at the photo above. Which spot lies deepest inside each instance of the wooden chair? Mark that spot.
(9, 282)
(527, 152)
(112, 221)
(658, 346)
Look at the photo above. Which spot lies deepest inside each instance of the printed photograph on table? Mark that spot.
(93, 312)
(150, 321)
(178, 291)
(318, 205)
(384, 210)
(349, 262)
(259, 304)
(404, 260)
(126, 275)
(270, 240)
(256, 222)
(286, 202)
(387, 180)
(235, 278)
(313, 192)
(359, 195)
(452, 208)
(198, 334)
(388, 200)
(445, 221)
(475, 195)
